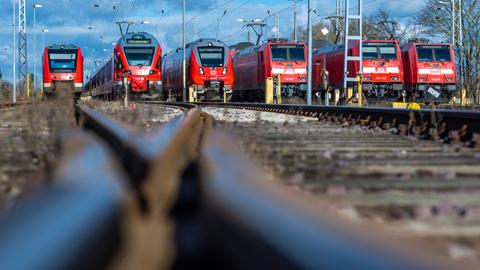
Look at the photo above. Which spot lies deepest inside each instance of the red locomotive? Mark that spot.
(136, 61)
(62, 69)
(255, 64)
(209, 70)
(382, 68)
(429, 71)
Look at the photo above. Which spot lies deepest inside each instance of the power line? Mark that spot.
(224, 15)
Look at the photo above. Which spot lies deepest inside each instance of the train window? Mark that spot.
(442, 54)
(62, 60)
(388, 53)
(212, 56)
(288, 52)
(424, 54)
(369, 52)
(139, 56)
(431, 53)
(297, 54)
(379, 50)
(279, 54)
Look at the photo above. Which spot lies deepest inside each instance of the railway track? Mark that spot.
(417, 188)
(187, 172)
(436, 124)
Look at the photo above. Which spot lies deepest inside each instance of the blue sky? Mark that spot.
(68, 22)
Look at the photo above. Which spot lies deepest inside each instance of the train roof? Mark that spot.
(380, 40)
(328, 48)
(432, 44)
(411, 44)
(62, 47)
(138, 39)
(336, 47)
(201, 42)
(265, 44)
(206, 41)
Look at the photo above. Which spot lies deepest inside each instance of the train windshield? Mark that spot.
(139, 56)
(212, 56)
(62, 61)
(379, 50)
(288, 52)
(431, 53)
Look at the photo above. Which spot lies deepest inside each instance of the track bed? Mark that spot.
(420, 189)
(27, 143)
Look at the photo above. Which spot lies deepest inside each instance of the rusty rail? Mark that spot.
(119, 192)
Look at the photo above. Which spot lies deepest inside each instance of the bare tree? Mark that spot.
(319, 39)
(436, 20)
(381, 25)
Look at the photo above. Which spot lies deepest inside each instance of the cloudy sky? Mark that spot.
(93, 28)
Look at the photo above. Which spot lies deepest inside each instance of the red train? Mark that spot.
(255, 64)
(62, 69)
(430, 71)
(209, 70)
(137, 58)
(382, 68)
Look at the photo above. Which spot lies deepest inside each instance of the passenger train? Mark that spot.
(209, 71)
(62, 69)
(255, 64)
(382, 68)
(430, 71)
(135, 64)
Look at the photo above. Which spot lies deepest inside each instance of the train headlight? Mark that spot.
(201, 71)
(422, 79)
(152, 72)
(449, 79)
(393, 78)
(367, 78)
(224, 71)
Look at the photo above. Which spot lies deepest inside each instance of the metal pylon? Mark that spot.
(457, 22)
(352, 33)
(337, 20)
(22, 44)
(457, 35)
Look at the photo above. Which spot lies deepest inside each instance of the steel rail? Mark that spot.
(58, 228)
(426, 122)
(154, 163)
(181, 105)
(228, 217)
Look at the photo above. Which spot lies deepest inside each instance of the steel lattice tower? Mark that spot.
(457, 34)
(22, 44)
(457, 22)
